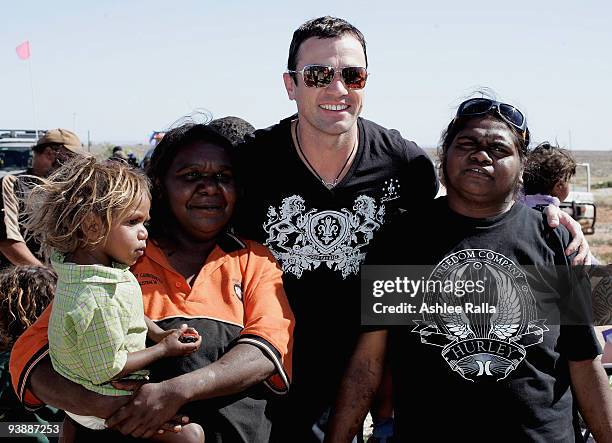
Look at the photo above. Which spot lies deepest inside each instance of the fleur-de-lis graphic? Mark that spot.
(391, 190)
(327, 229)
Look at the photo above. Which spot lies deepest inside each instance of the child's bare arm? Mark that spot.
(155, 333)
(169, 346)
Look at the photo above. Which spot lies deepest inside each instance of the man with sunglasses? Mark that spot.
(51, 150)
(319, 185)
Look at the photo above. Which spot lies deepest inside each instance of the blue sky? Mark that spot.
(121, 69)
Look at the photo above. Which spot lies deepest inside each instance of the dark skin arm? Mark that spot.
(154, 332)
(358, 387)
(169, 346)
(59, 392)
(157, 334)
(592, 391)
(155, 403)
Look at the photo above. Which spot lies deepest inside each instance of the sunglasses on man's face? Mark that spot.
(477, 106)
(321, 76)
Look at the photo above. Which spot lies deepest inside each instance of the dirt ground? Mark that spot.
(601, 241)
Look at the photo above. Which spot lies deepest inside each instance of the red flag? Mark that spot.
(23, 50)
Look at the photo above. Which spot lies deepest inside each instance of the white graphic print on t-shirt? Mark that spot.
(302, 239)
(487, 337)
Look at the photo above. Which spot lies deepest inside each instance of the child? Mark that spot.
(25, 291)
(89, 218)
(547, 174)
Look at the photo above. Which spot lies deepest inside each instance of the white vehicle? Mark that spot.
(16, 149)
(580, 203)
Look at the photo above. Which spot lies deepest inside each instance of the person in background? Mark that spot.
(26, 292)
(548, 172)
(133, 160)
(546, 178)
(52, 149)
(119, 154)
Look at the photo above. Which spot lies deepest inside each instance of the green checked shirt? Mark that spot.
(97, 319)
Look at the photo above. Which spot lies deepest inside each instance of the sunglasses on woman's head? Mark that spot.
(321, 76)
(477, 106)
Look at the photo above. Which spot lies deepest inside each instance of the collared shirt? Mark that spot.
(97, 319)
(237, 297)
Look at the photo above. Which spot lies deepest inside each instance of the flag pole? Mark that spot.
(32, 93)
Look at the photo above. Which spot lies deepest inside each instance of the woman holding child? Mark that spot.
(195, 271)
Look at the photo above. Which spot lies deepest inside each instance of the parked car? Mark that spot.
(580, 203)
(16, 149)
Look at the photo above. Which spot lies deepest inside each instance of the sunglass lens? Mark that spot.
(512, 114)
(475, 106)
(317, 76)
(354, 77)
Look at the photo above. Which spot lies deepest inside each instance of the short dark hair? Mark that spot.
(160, 162)
(232, 128)
(322, 27)
(546, 165)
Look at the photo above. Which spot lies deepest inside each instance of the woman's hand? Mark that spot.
(151, 406)
(556, 216)
(240, 368)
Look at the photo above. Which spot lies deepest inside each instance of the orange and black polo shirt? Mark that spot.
(237, 297)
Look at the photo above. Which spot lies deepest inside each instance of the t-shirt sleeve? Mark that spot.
(578, 340)
(29, 349)
(419, 171)
(269, 321)
(100, 343)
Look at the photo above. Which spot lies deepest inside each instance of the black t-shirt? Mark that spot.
(459, 378)
(321, 236)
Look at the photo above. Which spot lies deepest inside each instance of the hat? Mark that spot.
(61, 137)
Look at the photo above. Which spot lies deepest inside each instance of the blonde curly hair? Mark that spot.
(60, 208)
(26, 292)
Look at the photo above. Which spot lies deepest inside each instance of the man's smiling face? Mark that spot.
(332, 110)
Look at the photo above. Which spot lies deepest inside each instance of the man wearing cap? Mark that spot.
(52, 149)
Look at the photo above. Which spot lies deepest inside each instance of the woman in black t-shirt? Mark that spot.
(501, 369)
(510, 364)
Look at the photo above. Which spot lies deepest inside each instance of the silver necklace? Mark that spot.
(326, 184)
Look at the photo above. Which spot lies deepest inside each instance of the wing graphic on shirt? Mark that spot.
(457, 324)
(507, 320)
